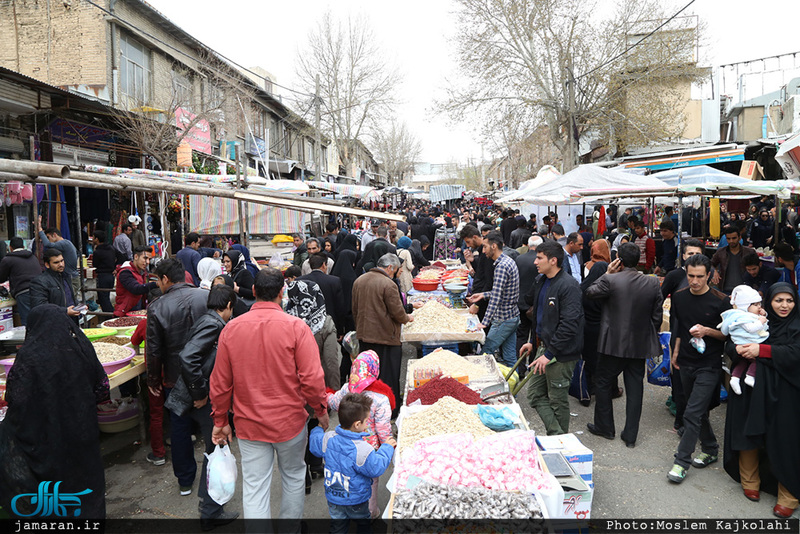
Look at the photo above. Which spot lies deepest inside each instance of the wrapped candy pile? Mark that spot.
(497, 462)
(434, 501)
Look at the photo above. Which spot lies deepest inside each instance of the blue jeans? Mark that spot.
(503, 336)
(342, 514)
(183, 463)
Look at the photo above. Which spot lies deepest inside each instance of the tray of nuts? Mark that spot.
(121, 324)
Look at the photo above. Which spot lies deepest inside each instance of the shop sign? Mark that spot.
(199, 136)
(76, 133)
(256, 146)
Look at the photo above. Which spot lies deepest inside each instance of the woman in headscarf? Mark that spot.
(763, 419)
(207, 270)
(329, 248)
(350, 242)
(592, 310)
(249, 263)
(243, 281)
(307, 303)
(600, 252)
(345, 270)
(404, 276)
(50, 432)
(417, 256)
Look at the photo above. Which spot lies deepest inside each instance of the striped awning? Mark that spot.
(216, 215)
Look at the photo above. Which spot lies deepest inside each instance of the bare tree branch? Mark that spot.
(356, 83)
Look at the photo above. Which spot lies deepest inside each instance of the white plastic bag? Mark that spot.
(221, 474)
(276, 261)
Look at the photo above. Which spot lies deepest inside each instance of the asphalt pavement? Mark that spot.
(629, 483)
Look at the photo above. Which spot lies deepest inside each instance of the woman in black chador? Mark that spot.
(50, 432)
(762, 439)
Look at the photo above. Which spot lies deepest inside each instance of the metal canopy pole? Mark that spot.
(239, 206)
(80, 243)
(777, 221)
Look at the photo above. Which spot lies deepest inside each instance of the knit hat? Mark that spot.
(743, 296)
(404, 242)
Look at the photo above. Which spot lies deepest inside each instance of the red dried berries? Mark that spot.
(439, 387)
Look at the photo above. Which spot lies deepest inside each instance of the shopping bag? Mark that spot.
(498, 419)
(579, 387)
(658, 366)
(221, 474)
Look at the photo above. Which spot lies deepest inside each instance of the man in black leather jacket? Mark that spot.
(54, 285)
(197, 362)
(169, 321)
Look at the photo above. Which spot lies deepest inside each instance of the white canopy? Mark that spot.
(546, 174)
(588, 177)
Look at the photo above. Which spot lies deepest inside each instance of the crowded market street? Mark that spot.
(632, 479)
(456, 266)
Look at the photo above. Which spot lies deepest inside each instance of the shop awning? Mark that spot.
(345, 190)
(282, 166)
(686, 157)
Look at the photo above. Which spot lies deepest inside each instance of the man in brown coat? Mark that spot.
(379, 313)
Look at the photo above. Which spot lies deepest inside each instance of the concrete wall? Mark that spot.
(749, 123)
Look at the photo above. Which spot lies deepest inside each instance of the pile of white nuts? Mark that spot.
(433, 318)
(450, 363)
(445, 416)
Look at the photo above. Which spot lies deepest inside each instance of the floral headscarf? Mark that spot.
(307, 302)
(364, 371)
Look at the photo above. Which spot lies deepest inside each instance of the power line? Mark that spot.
(245, 69)
(637, 43)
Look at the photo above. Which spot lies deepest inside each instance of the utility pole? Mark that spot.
(318, 152)
(240, 204)
(572, 152)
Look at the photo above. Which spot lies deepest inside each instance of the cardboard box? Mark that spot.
(6, 324)
(751, 170)
(575, 452)
(788, 157)
(578, 504)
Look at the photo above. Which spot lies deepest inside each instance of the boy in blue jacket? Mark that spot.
(350, 463)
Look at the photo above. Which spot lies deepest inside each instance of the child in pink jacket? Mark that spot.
(364, 379)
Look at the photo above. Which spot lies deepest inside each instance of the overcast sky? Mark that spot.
(417, 36)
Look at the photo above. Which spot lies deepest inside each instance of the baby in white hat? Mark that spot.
(745, 323)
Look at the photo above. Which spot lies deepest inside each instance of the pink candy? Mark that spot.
(506, 461)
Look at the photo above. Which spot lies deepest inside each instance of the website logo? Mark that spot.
(50, 502)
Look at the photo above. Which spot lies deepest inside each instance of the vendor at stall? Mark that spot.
(132, 285)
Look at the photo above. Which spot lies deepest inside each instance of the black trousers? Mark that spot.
(105, 280)
(391, 357)
(608, 369)
(699, 385)
(678, 397)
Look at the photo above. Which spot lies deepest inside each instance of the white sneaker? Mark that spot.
(735, 386)
(750, 380)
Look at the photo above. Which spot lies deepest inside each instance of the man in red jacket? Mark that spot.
(647, 248)
(268, 367)
(132, 285)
